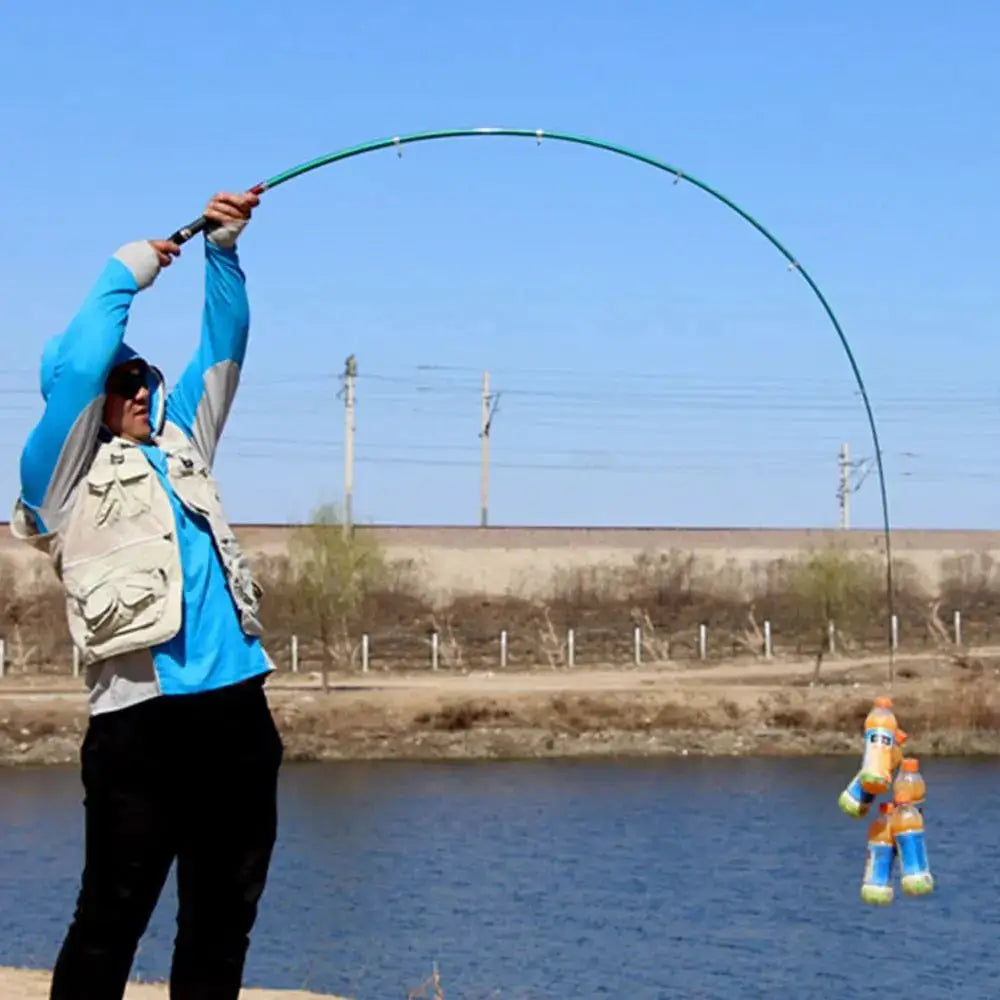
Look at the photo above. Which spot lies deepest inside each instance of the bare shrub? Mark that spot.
(330, 587)
(551, 645)
(33, 618)
(463, 715)
(656, 645)
(971, 583)
(430, 988)
(449, 648)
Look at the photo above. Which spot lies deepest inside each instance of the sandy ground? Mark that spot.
(24, 984)
(946, 703)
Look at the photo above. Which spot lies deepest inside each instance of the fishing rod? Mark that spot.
(185, 233)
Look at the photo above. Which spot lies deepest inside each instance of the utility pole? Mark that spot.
(852, 476)
(844, 490)
(350, 373)
(489, 408)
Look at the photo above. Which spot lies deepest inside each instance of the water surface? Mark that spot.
(565, 881)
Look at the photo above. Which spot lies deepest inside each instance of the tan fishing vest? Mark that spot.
(117, 554)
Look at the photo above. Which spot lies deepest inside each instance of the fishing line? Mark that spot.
(185, 233)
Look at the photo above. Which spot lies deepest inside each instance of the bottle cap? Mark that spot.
(885, 807)
(911, 764)
(901, 737)
(883, 701)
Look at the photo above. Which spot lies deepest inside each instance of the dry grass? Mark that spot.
(460, 715)
(668, 596)
(430, 988)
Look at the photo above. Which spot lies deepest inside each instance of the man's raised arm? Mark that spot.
(75, 365)
(200, 402)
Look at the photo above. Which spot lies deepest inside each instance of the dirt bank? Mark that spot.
(25, 984)
(948, 706)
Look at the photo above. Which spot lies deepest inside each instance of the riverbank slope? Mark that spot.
(948, 704)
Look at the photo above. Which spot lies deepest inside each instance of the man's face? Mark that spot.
(126, 404)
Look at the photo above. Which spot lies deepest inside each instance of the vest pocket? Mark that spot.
(119, 490)
(117, 600)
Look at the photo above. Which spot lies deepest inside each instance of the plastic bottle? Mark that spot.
(854, 800)
(908, 831)
(880, 738)
(909, 787)
(876, 886)
(897, 750)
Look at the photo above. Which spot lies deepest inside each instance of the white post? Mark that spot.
(831, 633)
(767, 640)
(76, 662)
(958, 631)
(3, 658)
(434, 650)
(364, 653)
(894, 626)
(637, 645)
(503, 647)
(702, 641)
(570, 648)
(295, 654)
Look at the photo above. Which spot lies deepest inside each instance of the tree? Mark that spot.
(833, 588)
(331, 572)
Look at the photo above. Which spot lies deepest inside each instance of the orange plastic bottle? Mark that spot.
(909, 787)
(880, 738)
(908, 831)
(854, 800)
(897, 750)
(876, 886)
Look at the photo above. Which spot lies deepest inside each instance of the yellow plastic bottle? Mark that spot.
(908, 831)
(880, 738)
(876, 885)
(909, 788)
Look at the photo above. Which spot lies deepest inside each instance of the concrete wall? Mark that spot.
(524, 561)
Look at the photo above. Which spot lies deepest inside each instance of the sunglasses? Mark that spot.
(128, 380)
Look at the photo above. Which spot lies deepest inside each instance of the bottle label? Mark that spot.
(878, 753)
(912, 852)
(858, 794)
(878, 868)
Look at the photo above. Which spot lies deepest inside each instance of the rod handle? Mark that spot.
(182, 235)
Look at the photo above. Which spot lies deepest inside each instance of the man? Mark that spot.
(181, 755)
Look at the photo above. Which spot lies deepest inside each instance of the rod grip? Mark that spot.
(185, 233)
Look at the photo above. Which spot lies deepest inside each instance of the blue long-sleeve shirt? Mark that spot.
(210, 650)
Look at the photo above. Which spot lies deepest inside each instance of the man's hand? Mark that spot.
(225, 207)
(146, 258)
(229, 213)
(165, 250)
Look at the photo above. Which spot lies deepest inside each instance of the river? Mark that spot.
(567, 880)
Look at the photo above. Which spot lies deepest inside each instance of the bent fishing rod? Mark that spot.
(185, 233)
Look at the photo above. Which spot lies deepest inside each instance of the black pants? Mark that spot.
(191, 778)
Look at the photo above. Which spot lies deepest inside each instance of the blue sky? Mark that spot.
(656, 361)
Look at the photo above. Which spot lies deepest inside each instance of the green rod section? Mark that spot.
(679, 175)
